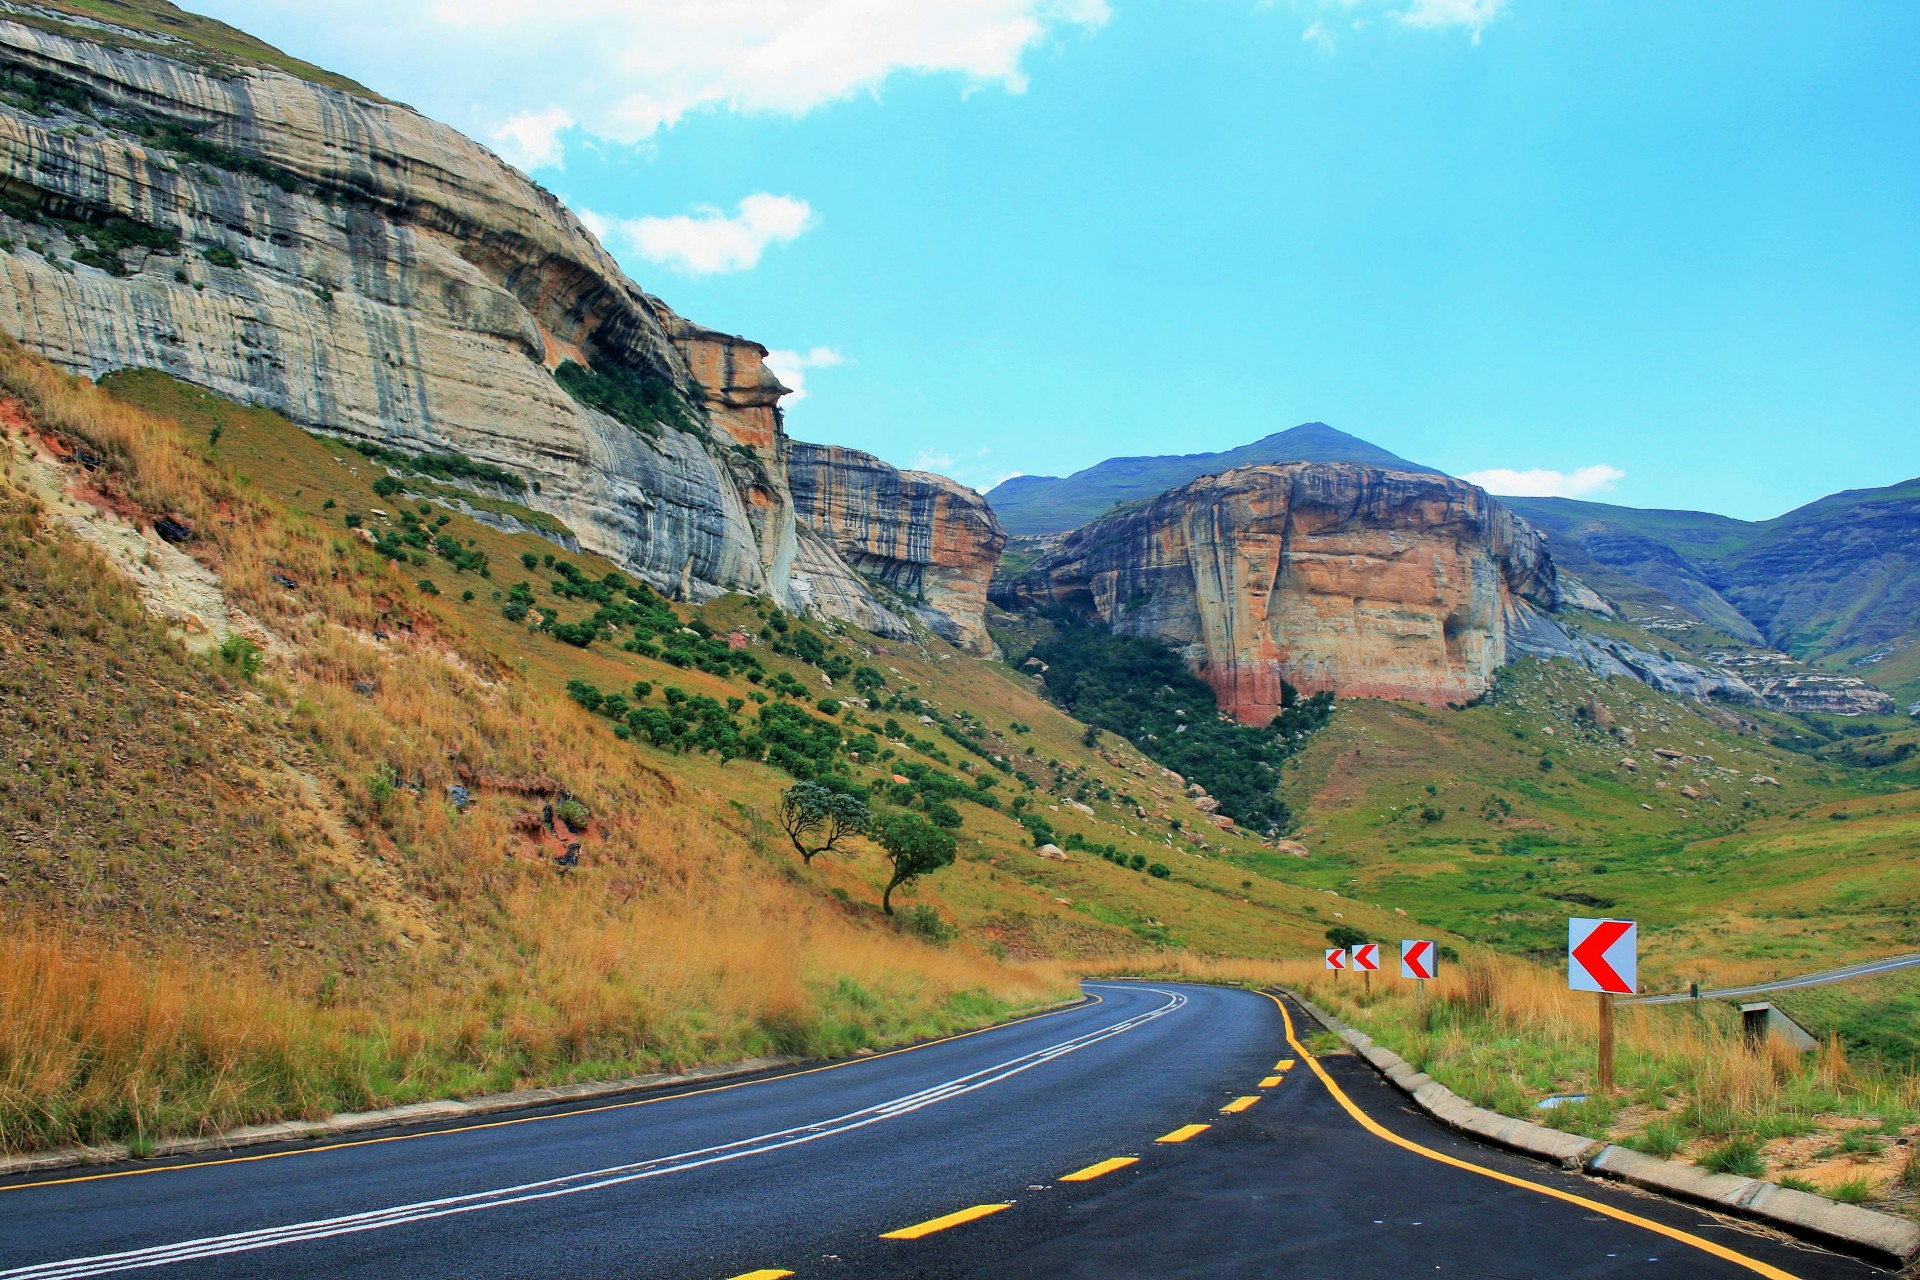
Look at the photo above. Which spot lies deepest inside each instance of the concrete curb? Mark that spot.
(417, 1113)
(1878, 1237)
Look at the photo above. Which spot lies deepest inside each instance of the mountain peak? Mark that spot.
(1053, 504)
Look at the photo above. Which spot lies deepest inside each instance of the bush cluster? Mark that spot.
(1141, 690)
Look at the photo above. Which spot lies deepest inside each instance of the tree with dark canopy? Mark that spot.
(1345, 936)
(915, 847)
(820, 819)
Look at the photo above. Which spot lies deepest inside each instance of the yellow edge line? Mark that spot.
(1372, 1126)
(768, 1274)
(1238, 1105)
(1105, 1167)
(1184, 1132)
(932, 1225)
(563, 1115)
(1270, 1082)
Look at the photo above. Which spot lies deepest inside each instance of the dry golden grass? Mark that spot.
(427, 951)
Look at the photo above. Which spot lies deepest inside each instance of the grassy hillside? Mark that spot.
(237, 884)
(1053, 504)
(1501, 820)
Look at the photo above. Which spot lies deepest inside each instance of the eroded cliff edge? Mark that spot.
(933, 543)
(1369, 582)
(372, 273)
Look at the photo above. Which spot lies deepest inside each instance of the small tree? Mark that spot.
(1345, 936)
(819, 819)
(915, 847)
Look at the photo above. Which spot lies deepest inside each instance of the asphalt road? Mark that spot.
(806, 1172)
(1866, 969)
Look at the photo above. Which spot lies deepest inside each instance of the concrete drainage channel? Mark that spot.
(1878, 1237)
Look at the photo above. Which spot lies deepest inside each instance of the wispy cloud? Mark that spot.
(532, 138)
(1539, 482)
(1329, 16)
(624, 70)
(708, 241)
(933, 460)
(791, 368)
(1469, 15)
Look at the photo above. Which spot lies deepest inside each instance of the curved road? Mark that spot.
(960, 1150)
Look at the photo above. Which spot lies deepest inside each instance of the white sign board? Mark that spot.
(1603, 955)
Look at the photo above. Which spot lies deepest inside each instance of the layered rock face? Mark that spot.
(1328, 576)
(371, 273)
(933, 543)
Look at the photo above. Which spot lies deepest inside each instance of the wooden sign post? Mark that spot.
(1606, 1041)
(1604, 956)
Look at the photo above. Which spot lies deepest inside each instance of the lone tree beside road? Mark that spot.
(915, 847)
(1345, 936)
(818, 819)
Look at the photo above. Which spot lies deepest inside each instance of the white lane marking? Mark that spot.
(573, 1184)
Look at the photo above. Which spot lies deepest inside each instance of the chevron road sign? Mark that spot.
(1419, 958)
(1603, 955)
(1367, 956)
(1337, 958)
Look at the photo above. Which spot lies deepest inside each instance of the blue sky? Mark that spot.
(1666, 253)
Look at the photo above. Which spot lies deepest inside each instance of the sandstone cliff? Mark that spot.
(931, 542)
(1328, 576)
(371, 273)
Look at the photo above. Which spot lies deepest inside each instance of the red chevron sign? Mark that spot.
(1603, 955)
(1419, 958)
(1337, 958)
(1367, 956)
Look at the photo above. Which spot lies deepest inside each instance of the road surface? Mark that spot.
(1866, 969)
(949, 1159)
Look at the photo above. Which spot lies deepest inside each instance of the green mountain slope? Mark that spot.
(1836, 582)
(1029, 505)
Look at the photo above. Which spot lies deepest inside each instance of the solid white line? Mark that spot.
(573, 1184)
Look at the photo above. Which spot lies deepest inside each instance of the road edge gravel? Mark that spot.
(1878, 1237)
(422, 1113)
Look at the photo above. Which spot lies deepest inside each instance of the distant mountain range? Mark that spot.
(1836, 582)
(1032, 505)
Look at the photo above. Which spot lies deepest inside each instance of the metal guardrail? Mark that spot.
(1865, 969)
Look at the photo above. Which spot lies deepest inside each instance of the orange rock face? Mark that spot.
(1366, 582)
(931, 542)
(741, 392)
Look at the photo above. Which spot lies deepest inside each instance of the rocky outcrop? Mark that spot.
(930, 542)
(1326, 576)
(1786, 684)
(373, 274)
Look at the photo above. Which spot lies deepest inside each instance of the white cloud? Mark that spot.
(791, 368)
(623, 70)
(707, 241)
(532, 138)
(1541, 483)
(933, 460)
(1473, 15)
